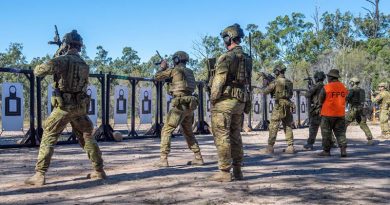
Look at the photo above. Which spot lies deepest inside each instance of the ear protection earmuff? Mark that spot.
(227, 40)
(176, 59)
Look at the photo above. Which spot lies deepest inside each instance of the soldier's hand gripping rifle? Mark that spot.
(162, 63)
(57, 41)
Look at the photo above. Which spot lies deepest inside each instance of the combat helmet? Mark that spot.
(73, 38)
(280, 67)
(334, 73)
(354, 80)
(319, 75)
(383, 84)
(232, 32)
(180, 56)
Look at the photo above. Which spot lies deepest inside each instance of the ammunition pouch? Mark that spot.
(185, 102)
(71, 100)
(236, 92)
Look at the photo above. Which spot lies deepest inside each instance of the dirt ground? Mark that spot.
(362, 178)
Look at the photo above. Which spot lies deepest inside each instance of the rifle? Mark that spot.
(267, 79)
(57, 41)
(309, 80)
(161, 58)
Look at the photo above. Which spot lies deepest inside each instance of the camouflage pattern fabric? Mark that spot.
(183, 106)
(179, 115)
(357, 114)
(71, 78)
(314, 111)
(227, 110)
(226, 124)
(383, 99)
(281, 89)
(334, 125)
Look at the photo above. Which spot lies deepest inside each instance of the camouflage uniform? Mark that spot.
(383, 99)
(70, 102)
(184, 103)
(356, 99)
(314, 111)
(230, 98)
(282, 90)
(71, 73)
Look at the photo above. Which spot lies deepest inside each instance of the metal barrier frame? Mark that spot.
(30, 138)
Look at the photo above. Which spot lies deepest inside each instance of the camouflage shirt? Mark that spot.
(181, 80)
(383, 99)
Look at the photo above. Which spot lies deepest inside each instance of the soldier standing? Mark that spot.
(281, 89)
(184, 103)
(230, 98)
(333, 99)
(356, 99)
(383, 99)
(70, 73)
(315, 109)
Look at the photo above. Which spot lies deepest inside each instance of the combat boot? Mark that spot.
(198, 159)
(308, 146)
(268, 150)
(37, 179)
(324, 153)
(221, 176)
(370, 142)
(163, 162)
(290, 150)
(237, 173)
(97, 175)
(343, 151)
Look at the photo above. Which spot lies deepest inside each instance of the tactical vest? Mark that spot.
(183, 81)
(334, 104)
(283, 89)
(239, 76)
(74, 79)
(358, 96)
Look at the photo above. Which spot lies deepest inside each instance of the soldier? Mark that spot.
(70, 102)
(333, 99)
(230, 98)
(383, 99)
(356, 99)
(184, 103)
(281, 89)
(315, 109)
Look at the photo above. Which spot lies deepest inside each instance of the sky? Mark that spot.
(147, 25)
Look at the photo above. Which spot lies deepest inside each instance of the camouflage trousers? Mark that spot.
(179, 115)
(384, 121)
(315, 122)
(226, 124)
(82, 127)
(281, 114)
(356, 113)
(335, 125)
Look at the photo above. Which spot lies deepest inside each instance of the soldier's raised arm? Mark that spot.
(269, 89)
(47, 68)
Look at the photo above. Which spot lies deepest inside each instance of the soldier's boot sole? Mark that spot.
(324, 154)
(237, 173)
(370, 142)
(196, 162)
(38, 179)
(343, 152)
(308, 147)
(221, 176)
(161, 163)
(268, 150)
(290, 150)
(97, 175)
